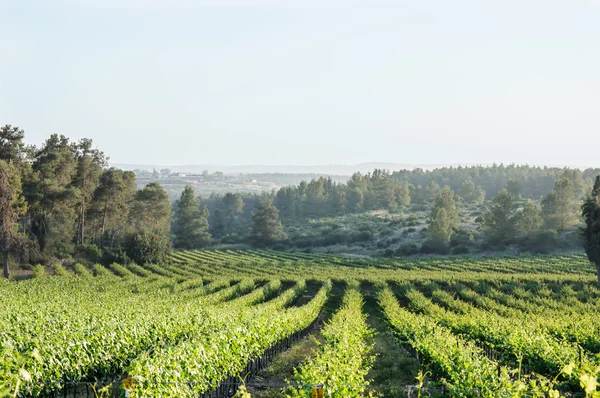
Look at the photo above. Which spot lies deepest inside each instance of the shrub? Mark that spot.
(59, 270)
(100, 270)
(39, 271)
(148, 246)
(81, 270)
(362, 236)
(540, 242)
(407, 249)
(433, 247)
(461, 249)
(462, 237)
(89, 252)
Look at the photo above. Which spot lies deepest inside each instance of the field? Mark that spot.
(197, 326)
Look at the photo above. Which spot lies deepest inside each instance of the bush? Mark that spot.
(540, 242)
(462, 237)
(81, 270)
(362, 236)
(461, 249)
(386, 232)
(100, 270)
(59, 270)
(89, 252)
(148, 246)
(39, 271)
(231, 238)
(433, 247)
(407, 249)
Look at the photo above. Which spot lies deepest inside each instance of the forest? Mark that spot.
(65, 204)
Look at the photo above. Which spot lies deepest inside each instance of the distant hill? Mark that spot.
(345, 170)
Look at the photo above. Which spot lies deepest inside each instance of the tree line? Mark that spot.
(60, 199)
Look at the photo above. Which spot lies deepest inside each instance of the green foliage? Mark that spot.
(81, 270)
(500, 220)
(152, 245)
(59, 270)
(443, 222)
(560, 206)
(529, 220)
(471, 193)
(12, 206)
(39, 271)
(100, 270)
(267, 229)
(590, 212)
(342, 361)
(190, 224)
(440, 230)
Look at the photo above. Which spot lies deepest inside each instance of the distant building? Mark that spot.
(181, 175)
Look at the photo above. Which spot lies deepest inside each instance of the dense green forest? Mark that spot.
(61, 202)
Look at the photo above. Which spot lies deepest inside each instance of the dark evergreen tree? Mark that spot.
(267, 229)
(190, 224)
(500, 220)
(12, 206)
(591, 227)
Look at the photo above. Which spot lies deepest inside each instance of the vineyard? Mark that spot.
(205, 323)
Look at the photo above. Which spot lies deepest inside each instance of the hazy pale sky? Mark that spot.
(309, 82)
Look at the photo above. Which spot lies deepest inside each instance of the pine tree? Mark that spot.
(267, 229)
(529, 220)
(190, 224)
(444, 199)
(500, 220)
(440, 230)
(590, 211)
(560, 206)
(12, 206)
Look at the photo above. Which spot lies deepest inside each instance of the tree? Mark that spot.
(11, 143)
(111, 204)
(148, 239)
(149, 245)
(12, 206)
(226, 215)
(190, 224)
(90, 163)
(444, 199)
(432, 190)
(529, 220)
(267, 229)
(560, 206)
(165, 172)
(500, 221)
(151, 208)
(515, 187)
(590, 212)
(51, 194)
(440, 230)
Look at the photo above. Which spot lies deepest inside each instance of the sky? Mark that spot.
(176, 82)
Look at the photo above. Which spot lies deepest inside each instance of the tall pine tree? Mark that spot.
(190, 224)
(591, 229)
(267, 229)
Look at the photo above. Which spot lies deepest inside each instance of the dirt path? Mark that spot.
(270, 382)
(394, 368)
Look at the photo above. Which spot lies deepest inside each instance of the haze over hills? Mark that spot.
(339, 169)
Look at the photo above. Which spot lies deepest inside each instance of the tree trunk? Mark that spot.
(103, 226)
(5, 262)
(598, 272)
(82, 231)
